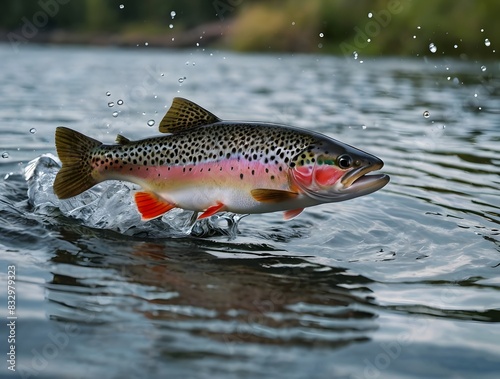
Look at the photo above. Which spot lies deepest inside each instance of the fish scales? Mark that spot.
(254, 142)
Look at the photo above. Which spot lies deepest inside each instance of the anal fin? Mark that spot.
(292, 213)
(264, 195)
(150, 206)
(210, 211)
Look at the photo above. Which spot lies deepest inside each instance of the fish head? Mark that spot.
(331, 171)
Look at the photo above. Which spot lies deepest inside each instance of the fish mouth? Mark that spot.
(354, 183)
(358, 181)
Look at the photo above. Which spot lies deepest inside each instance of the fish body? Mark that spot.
(208, 165)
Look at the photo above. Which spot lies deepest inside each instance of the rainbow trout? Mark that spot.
(208, 165)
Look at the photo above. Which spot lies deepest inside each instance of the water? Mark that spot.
(403, 283)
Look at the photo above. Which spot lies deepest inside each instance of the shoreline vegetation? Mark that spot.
(458, 28)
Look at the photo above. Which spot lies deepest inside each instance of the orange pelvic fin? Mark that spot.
(210, 211)
(264, 195)
(150, 206)
(292, 213)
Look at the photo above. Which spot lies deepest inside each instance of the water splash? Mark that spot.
(109, 205)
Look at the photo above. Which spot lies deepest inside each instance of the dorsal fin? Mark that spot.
(184, 114)
(121, 140)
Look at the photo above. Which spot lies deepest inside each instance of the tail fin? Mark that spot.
(74, 150)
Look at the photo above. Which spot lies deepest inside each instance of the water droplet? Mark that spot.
(418, 27)
(115, 114)
(487, 42)
(363, 126)
(122, 6)
(119, 102)
(155, 96)
(321, 35)
(355, 54)
(162, 74)
(483, 68)
(181, 80)
(151, 122)
(5, 154)
(194, 64)
(475, 95)
(172, 14)
(369, 40)
(433, 48)
(482, 30)
(144, 113)
(32, 130)
(455, 46)
(414, 37)
(426, 114)
(293, 22)
(108, 93)
(146, 43)
(456, 81)
(370, 15)
(171, 26)
(111, 104)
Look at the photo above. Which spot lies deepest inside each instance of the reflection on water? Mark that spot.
(270, 300)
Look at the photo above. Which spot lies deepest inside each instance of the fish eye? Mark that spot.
(344, 161)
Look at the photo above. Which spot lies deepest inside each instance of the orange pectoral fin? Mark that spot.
(288, 215)
(264, 195)
(150, 206)
(210, 211)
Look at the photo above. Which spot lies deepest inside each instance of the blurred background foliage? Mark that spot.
(393, 27)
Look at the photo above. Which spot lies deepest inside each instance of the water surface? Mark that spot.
(403, 283)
